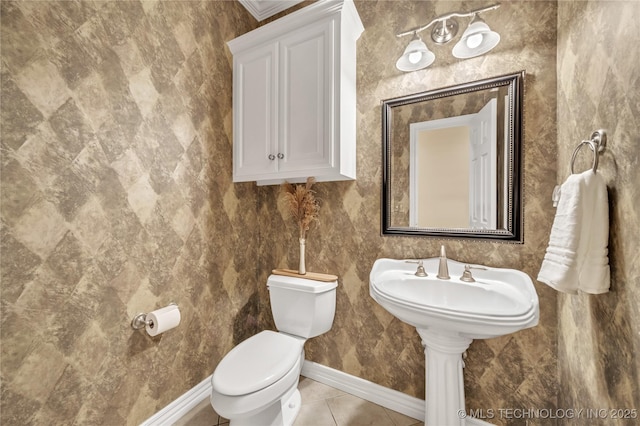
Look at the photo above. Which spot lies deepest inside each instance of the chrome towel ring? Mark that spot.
(597, 144)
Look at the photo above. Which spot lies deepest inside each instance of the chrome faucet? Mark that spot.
(443, 268)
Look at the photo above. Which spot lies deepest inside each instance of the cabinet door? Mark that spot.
(307, 98)
(255, 113)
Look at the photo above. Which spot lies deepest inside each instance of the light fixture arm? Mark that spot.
(444, 18)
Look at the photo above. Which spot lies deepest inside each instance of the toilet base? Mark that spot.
(291, 408)
(281, 413)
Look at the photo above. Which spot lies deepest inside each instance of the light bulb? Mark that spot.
(414, 57)
(474, 40)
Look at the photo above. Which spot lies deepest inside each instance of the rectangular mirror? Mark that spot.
(451, 160)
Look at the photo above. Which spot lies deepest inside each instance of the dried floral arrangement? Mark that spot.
(301, 203)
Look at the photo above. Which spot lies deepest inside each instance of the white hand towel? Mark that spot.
(577, 255)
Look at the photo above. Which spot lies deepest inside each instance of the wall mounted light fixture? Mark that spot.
(476, 40)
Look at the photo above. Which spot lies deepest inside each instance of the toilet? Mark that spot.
(256, 383)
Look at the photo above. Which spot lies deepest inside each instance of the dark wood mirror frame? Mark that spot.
(512, 231)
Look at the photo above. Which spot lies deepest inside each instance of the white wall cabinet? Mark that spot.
(294, 96)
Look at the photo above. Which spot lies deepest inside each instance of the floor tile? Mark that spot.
(312, 391)
(322, 405)
(201, 415)
(349, 410)
(315, 413)
(402, 420)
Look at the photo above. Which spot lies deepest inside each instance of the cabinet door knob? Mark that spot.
(280, 155)
(272, 157)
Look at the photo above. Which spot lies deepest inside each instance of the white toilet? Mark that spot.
(256, 383)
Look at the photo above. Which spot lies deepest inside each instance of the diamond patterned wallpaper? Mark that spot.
(599, 87)
(117, 198)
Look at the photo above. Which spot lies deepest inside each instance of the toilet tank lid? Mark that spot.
(300, 284)
(256, 363)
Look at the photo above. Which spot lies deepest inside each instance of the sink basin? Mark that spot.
(501, 301)
(448, 315)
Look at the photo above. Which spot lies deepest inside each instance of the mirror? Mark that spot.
(451, 161)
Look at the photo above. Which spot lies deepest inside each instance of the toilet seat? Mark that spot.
(241, 408)
(256, 363)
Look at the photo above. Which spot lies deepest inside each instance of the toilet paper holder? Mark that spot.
(140, 320)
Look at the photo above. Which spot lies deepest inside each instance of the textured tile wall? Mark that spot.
(117, 199)
(515, 371)
(599, 87)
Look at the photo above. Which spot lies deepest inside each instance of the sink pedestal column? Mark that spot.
(444, 392)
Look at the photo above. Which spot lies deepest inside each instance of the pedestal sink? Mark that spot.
(448, 315)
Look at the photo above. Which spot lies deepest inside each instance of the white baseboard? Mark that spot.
(181, 406)
(388, 398)
(369, 391)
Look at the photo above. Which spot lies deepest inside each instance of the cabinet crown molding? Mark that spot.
(263, 9)
(296, 20)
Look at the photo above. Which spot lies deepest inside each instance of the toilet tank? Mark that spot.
(302, 307)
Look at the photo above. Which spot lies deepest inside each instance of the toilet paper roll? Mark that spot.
(163, 319)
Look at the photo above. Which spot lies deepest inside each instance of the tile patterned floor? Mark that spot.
(322, 405)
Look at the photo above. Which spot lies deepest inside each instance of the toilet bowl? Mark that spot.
(260, 372)
(256, 383)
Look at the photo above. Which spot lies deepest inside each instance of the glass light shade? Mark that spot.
(477, 40)
(416, 56)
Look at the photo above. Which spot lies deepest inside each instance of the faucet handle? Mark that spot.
(466, 275)
(420, 272)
